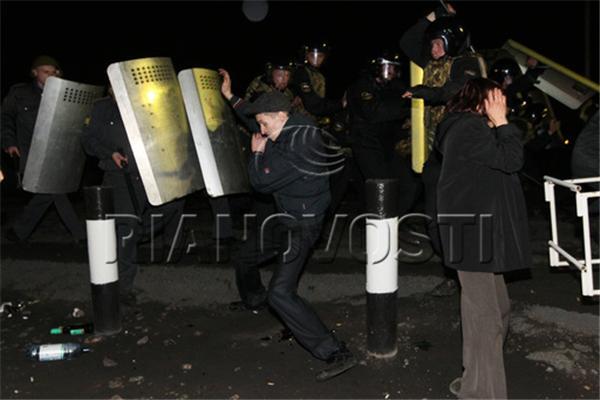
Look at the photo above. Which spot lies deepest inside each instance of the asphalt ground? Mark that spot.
(183, 341)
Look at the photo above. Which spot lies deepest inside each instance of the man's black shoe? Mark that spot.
(338, 363)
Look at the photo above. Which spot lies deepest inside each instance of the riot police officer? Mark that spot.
(310, 85)
(105, 138)
(377, 116)
(19, 113)
(448, 63)
(276, 77)
(377, 112)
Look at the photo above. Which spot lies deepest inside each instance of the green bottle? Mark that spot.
(77, 329)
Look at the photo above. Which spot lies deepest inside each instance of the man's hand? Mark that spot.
(407, 95)
(495, 107)
(258, 143)
(13, 151)
(226, 85)
(119, 158)
(448, 10)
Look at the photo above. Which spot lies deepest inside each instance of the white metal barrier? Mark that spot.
(585, 266)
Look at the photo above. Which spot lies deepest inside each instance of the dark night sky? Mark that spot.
(213, 34)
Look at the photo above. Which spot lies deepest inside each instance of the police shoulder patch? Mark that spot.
(87, 120)
(366, 96)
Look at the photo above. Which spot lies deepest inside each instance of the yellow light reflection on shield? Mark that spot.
(208, 83)
(166, 128)
(150, 95)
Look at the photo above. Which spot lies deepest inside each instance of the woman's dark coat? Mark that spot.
(481, 208)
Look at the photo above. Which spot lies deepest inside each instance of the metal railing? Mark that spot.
(585, 266)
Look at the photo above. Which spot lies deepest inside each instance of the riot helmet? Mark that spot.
(315, 53)
(535, 113)
(504, 71)
(279, 63)
(386, 66)
(278, 72)
(453, 34)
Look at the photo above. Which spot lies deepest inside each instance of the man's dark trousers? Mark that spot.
(291, 241)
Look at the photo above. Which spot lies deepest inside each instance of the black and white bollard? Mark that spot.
(382, 266)
(102, 253)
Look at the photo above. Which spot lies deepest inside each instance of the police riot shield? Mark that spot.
(151, 105)
(419, 150)
(557, 81)
(56, 159)
(215, 133)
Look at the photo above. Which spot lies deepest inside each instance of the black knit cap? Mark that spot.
(269, 102)
(44, 60)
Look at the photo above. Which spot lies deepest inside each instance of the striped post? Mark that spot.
(382, 197)
(102, 253)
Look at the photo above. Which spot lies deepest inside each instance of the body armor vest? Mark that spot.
(435, 74)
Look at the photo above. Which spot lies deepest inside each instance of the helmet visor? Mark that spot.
(388, 71)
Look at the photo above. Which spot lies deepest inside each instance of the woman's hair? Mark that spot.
(470, 98)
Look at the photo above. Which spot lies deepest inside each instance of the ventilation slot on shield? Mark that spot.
(78, 96)
(210, 83)
(151, 73)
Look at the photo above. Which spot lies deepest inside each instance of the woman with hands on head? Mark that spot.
(483, 226)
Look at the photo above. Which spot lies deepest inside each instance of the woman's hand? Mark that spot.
(495, 107)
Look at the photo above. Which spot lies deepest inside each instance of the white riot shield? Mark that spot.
(215, 133)
(151, 105)
(557, 81)
(56, 159)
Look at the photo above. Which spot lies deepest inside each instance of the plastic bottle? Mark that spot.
(77, 329)
(56, 351)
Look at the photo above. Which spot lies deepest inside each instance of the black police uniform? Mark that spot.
(104, 135)
(19, 112)
(377, 114)
(309, 85)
